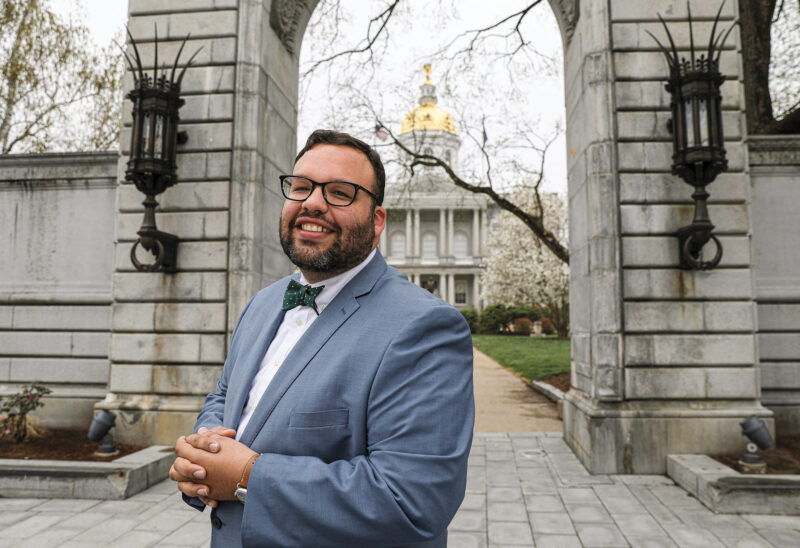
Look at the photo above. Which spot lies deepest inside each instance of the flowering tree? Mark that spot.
(16, 408)
(521, 270)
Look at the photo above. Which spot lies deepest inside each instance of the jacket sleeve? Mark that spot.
(410, 482)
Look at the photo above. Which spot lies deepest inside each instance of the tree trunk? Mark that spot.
(756, 20)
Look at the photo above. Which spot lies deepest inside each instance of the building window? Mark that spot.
(429, 245)
(461, 293)
(397, 245)
(460, 244)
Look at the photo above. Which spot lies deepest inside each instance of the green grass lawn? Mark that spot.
(533, 357)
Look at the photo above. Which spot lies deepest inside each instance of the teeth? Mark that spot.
(313, 228)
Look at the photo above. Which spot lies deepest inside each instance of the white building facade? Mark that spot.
(436, 232)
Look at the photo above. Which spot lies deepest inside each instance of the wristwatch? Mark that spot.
(241, 487)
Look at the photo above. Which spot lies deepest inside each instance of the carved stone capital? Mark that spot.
(284, 18)
(567, 13)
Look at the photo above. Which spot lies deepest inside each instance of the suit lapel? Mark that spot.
(269, 316)
(334, 315)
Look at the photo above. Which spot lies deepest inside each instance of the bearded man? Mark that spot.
(344, 413)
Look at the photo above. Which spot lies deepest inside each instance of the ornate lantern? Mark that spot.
(697, 139)
(152, 165)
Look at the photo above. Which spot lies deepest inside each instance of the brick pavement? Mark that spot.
(523, 489)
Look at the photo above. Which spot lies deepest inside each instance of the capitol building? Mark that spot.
(435, 232)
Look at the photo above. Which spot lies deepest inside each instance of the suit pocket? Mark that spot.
(319, 419)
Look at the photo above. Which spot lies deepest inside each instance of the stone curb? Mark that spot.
(548, 390)
(115, 480)
(726, 491)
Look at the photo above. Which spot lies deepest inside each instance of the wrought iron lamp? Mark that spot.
(152, 165)
(697, 137)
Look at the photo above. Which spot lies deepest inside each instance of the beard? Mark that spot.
(345, 252)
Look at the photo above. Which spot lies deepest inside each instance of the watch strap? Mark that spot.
(246, 472)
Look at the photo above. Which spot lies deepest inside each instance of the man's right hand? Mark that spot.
(186, 473)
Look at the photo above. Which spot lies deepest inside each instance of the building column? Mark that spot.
(476, 233)
(484, 230)
(415, 278)
(476, 301)
(383, 245)
(450, 231)
(443, 286)
(451, 288)
(409, 233)
(417, 233)
(442, 251)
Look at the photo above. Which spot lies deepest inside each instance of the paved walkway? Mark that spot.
(523, 489)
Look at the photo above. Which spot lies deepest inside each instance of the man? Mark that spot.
(344, 413)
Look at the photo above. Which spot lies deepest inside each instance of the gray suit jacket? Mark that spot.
(365, 429)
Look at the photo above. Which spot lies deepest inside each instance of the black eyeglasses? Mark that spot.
(336, 193)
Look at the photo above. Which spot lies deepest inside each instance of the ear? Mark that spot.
(380, 222)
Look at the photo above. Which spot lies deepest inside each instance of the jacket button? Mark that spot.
(216, 522)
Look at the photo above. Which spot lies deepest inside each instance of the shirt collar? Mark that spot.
(335, 284)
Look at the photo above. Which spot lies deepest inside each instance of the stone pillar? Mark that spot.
(169, 332)
(417, 233)
(384, 246)
(476, 233)
(443, 286)
(450, 231)
(484, 231)
(415, 278)
(476, 296)
(409, 234)
(663, 359)
(451, 288)
(442, 233)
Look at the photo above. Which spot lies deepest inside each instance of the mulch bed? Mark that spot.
(60, 445)
(560, 381)
(782, 458)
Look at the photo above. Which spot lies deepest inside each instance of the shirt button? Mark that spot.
(276, 363)
(216, 522)
(298, 321)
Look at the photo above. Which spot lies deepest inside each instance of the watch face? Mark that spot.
(240, 494)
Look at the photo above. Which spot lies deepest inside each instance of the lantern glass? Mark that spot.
(703, 108)
(690, 133)
(158, 141)
(146, 145)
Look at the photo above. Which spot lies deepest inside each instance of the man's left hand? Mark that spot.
(223, 459)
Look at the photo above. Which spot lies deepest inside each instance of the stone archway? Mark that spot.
(663, 359)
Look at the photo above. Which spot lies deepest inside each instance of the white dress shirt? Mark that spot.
(295, 323)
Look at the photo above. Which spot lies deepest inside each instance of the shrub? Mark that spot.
(471, 315)
(16, 408)
(547, 327)
(523, 326)
(494, 319)
(524, 311)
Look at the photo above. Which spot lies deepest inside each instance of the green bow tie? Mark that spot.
(300, 295)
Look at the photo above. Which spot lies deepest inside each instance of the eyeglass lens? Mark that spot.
(335, 193)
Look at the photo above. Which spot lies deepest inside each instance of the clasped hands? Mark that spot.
(210, 464)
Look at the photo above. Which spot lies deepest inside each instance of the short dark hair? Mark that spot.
(330, 137)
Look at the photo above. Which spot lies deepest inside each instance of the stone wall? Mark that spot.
(775, 180)
(56, 240)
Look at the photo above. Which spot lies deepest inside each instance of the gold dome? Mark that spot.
(428, 116)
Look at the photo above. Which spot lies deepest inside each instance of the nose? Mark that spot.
(316, 200)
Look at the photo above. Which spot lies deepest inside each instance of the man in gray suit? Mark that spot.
(344, 413)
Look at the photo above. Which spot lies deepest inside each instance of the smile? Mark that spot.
(313, 228)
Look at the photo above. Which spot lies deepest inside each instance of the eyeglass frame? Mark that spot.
(315, 184)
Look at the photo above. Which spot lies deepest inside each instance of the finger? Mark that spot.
(207, 441)
(185, 470)
(209, 502)
(191, 489)
(224, 431)
(202, 430)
